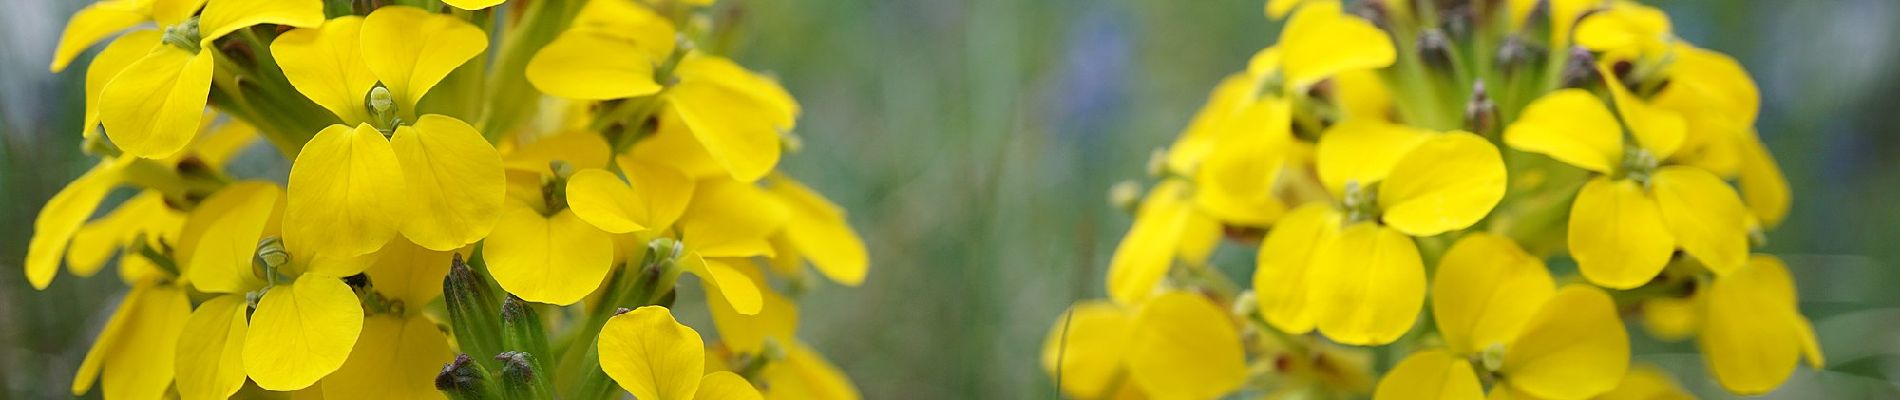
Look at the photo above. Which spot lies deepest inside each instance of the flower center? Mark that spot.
(184, 35)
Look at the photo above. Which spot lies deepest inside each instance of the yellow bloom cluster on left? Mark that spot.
(1418, 176)
(584, 165)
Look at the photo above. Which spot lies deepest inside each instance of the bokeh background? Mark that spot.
(973, 142)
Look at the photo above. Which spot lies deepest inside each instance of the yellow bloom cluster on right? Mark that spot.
(1484, 189)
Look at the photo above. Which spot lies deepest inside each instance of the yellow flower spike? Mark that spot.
(1752, 335)
(454, 179)
(1185, 346)
(1430, 374)
(1148, 250)
(1368, 285)
(326, 65)
(472, 5)
(152, 108)
(63, 216)
(819, 231)
(727, 281)
(707, 98)
(1658, 130)
(557, 259)
(143, 215)
(1237, 180)
(804, 374)
(395, 358)
(1089, 357)
(92, 24)
(122, 52)
(210, 361)
(634, 39)
(1647, 382)
(344, 193)
(221, 17)
(1572, 126)
(410, 50)
(301, 332)
(220, 237)
(731, 219)
(1363, 151)
(1444, 184)
(1764, 187)
(603, 200)
(1617, 234)
(652, 355)
(1574, 347)
(1321, 41)
(408, 272)
(725, 385)
(1704, 214)
(136, 361)
(1284, 264)
(1485, 290)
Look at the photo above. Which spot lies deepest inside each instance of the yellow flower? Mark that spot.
(1321, 41)
(734, 114)
(389, 167)
(1626, 29)
(100, 19)
(1352, 269)
(1628, 220)
(817, 232)
(1751, 334)
(400, 349)
(1500, 315)
(1174, 345)
(1647, 382)
(655, 357)
(1167, 226)
(151, 108)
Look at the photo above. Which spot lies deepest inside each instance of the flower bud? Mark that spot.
(521, 329)
(522, 376)
(472, 309)
(464, 379)
(1481, 115)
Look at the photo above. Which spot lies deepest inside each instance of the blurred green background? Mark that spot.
(973, 142)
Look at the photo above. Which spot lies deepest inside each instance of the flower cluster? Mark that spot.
(1485, 190)
(498, 180)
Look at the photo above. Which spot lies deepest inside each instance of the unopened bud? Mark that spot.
(1481, 115)
(521, 376)
(472, 309)
(521, 328)
(1581, 70)
(1434, 49)
(1125, 195)
(463, 379)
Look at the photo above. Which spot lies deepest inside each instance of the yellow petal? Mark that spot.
(1277, 9)
(746, 334)
(211, 350)
(673, 144)
(665, 191)
(152, 108)
(727, 281)
(573, 66)
(1486, 288)
(140, 364)
(1212, 122)
(221, 236)
(1285, 261)
(1431, 374)
(819, 230)
(454, 179)
(1617, 234)
(109, 338)
(1752, 335)
(144, 215)
(1625, 27)
(580, 149)
(90, 25)
(652, 355)
(732, 125)
(1085, 347)
(1187, 347)
(122, 52)
(1670, 318)
(725, 385)
(62, 216)
(1658, 130)
(1368, 285)
(1147, 252)
(1363, 95)
(1444, 184)
(1237, 180)
(1363, 152)
(1763, 186)
(1320, 41)
(301, 332)
(345, 194)
(1573, 348)
(326, 65)
(225, 16)
(731, 219)
(804, 374)
(224, 143)
(411, 50)
(1704, 214)
(1646, 382)
(473, 4)
(395, 358)
(555, 260)
(407, 272)
(602, 199)
(1570, 125)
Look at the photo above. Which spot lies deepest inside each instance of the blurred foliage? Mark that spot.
(974, 142)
